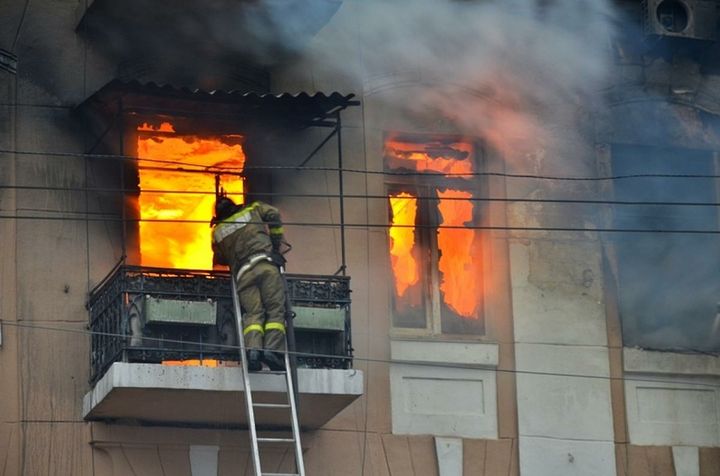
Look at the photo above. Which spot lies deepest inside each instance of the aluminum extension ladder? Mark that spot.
(291, 404)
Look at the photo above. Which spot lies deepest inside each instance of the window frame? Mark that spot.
(426, 186)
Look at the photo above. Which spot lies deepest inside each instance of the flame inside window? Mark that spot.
(458, 268)
(443, 157)
(459, 262)
(402, 235)
(171, 192)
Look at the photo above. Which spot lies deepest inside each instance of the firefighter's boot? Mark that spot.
(253, 361)
(274, 360)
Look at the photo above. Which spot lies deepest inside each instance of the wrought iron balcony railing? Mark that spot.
(140, 314)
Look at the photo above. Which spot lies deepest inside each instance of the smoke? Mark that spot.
(669, 286)
(516, 73)
(519, 74)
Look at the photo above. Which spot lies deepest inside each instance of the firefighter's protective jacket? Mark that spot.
(246, 233)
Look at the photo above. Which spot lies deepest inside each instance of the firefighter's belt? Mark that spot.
(250, 262)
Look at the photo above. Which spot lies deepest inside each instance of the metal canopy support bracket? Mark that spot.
(337, 131)
(121, 137)
(343, 265)
(320, 146)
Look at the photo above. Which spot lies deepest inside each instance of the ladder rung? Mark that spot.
(271, 405)
(280, 474)
(276, 440)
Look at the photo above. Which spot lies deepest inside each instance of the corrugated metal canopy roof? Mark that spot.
(295, 110)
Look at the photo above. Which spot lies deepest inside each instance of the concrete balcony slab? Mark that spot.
(215, 396)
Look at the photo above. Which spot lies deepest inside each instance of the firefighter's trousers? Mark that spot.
(262, 297)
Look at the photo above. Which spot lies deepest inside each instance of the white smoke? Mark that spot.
(512, 72)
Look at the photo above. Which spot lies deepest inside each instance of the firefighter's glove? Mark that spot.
(278, 259)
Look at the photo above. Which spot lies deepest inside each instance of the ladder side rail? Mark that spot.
(246, 382)
(290, 338)
(299, 463)
(291, 375)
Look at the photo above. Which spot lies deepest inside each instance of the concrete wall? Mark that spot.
(561, 347)
(10, 426)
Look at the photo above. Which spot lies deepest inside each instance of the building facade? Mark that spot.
(524, 196)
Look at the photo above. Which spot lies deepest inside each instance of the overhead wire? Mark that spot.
(574, 201)
(451, 365)
(375, 225)
(293, 168)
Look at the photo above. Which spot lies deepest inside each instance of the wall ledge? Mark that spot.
(464, 353)
(660, 362)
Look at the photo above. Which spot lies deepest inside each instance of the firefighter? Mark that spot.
(248, 239)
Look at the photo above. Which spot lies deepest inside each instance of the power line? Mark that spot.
(235, 170)
(577, 201)
(362, 359)
(378, 225)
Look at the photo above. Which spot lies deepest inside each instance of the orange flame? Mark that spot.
(176, 244)
(459, 262)
(402, 233)
(192, 363)
(435, 158)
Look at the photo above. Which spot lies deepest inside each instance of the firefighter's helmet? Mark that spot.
(224, 207)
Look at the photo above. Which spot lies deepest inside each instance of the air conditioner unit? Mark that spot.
(693, 19)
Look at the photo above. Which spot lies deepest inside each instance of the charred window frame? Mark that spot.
(430, 313)
(668, 284)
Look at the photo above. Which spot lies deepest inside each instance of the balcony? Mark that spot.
(164, 350)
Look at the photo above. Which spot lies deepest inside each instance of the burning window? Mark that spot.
(435, 252)
(177, 184)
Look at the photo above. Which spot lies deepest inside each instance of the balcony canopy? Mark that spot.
(253, 109)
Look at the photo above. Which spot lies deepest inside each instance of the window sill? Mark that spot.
(428, 335)
(444, 350)
(675, 363)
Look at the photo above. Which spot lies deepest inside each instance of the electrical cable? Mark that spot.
(294, 168)
(574, 201)
(363, 359)
(380, 225)
(20, 25)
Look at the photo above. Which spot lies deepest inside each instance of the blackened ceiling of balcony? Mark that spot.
(211, 44)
